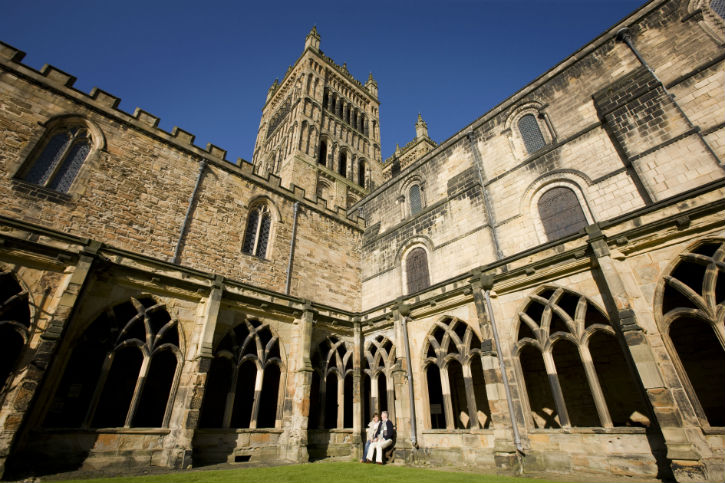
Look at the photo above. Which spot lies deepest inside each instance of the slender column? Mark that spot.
(340, 400)
(357, 389)
(597, 394)
(447, 400)
(258, 382)
(556, 389)
(470, 397)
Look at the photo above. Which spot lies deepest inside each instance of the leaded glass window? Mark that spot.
(60, 160)
(561, 213)
(416, 268)
(719, 7)
(256, 236)
(531, 134)
(415, 201)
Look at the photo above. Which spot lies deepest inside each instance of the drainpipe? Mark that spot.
(404, 310)
(292, 248)
(185, 225)
(488, 284)
(625, 36)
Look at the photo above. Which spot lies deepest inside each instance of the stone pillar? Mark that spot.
(300, 390)
(404, 413)
(685, 459)
(15, 410)
(358, 433)
(190, 394)
(505, 452)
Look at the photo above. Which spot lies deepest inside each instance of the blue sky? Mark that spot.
(205, 66)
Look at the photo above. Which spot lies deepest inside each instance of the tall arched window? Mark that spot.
(691, 300)
(414, 199)
(60, 156)
(416, 270)
(342, 167)
(378, 361)
(256, 236)
(456, 389)
(322, 155)
(122, 371)
(572, 364)
(361, 173)
(332, 362)
(14, 324)
(560, 213)
(243, 385)
(531, 133)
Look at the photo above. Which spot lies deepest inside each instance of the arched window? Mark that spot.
(60, 156)
(691, 300)
(256, 235)
(14, 324)
(322, 155)
(560, 213)
(415, 200)
(378, 362)
(361, 173)
(531, 133)
(247, 357)
(122, 371)
(572, 364)
(332, 362)
(416, 269)
(456, 389)
(342, 167)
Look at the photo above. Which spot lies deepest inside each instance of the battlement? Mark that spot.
(60, 82)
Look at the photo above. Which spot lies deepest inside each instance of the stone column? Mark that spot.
(685, 459)
(357, 389)
(300, 389)
(190, 394)
(404, 412)
(15, 410)
(505, 452)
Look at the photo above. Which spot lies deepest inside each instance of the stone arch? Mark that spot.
(690, 312)
(404, 194)
(123, 370)
(248, 356)
(450, 347)
(332, 361)
(379, 359)
(15, 319)
(531, 110)
(556, 362)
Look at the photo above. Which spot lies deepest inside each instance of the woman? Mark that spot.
(372, 428)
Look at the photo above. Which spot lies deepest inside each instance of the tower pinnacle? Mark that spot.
(421, 128)
(312, 41)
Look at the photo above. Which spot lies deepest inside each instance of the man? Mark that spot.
(383, 439)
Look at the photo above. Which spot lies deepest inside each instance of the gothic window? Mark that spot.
(456, 388)
(14, 325)
(379, 394)
(718, 6)
(572, 365)
(531, 133)
(332, 362)
(256, 235)
(61, 156)
(122, 371)
(322, 156)
(414, 199)
(361, 173)
(243, 385)
(691, 301)
(342, 167)
(416, 269)
(560, 213)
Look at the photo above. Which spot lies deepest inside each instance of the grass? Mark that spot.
(342, 472)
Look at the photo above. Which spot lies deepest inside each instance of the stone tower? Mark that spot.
(320, 130)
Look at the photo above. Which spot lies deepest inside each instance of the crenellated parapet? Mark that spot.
(60, 83)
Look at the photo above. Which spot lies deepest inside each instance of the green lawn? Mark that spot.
(314, 472)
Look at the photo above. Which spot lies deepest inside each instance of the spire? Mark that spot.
(421, 128)
(372, 86)
(312, 41)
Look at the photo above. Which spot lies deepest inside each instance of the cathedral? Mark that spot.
(542, 292)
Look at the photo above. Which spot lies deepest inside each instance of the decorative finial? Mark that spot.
(420, 118)
(313, 32)
(397, 148)
(370, 78)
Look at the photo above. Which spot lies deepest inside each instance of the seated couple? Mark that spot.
(380, 436)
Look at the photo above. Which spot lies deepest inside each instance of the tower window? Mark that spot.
(257, 233)
(560, 213)
(415, 201)
(342, 168)
(361, 173)
(531, 134)
(322, 157)
(58, 163)
(416, 269)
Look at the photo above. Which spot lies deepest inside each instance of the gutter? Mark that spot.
(185, 225)
(292, 248)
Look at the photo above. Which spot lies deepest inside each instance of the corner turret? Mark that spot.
(372, 86)
(421, 128)
(313, 40)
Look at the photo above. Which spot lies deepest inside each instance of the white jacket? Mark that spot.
(372, 429)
